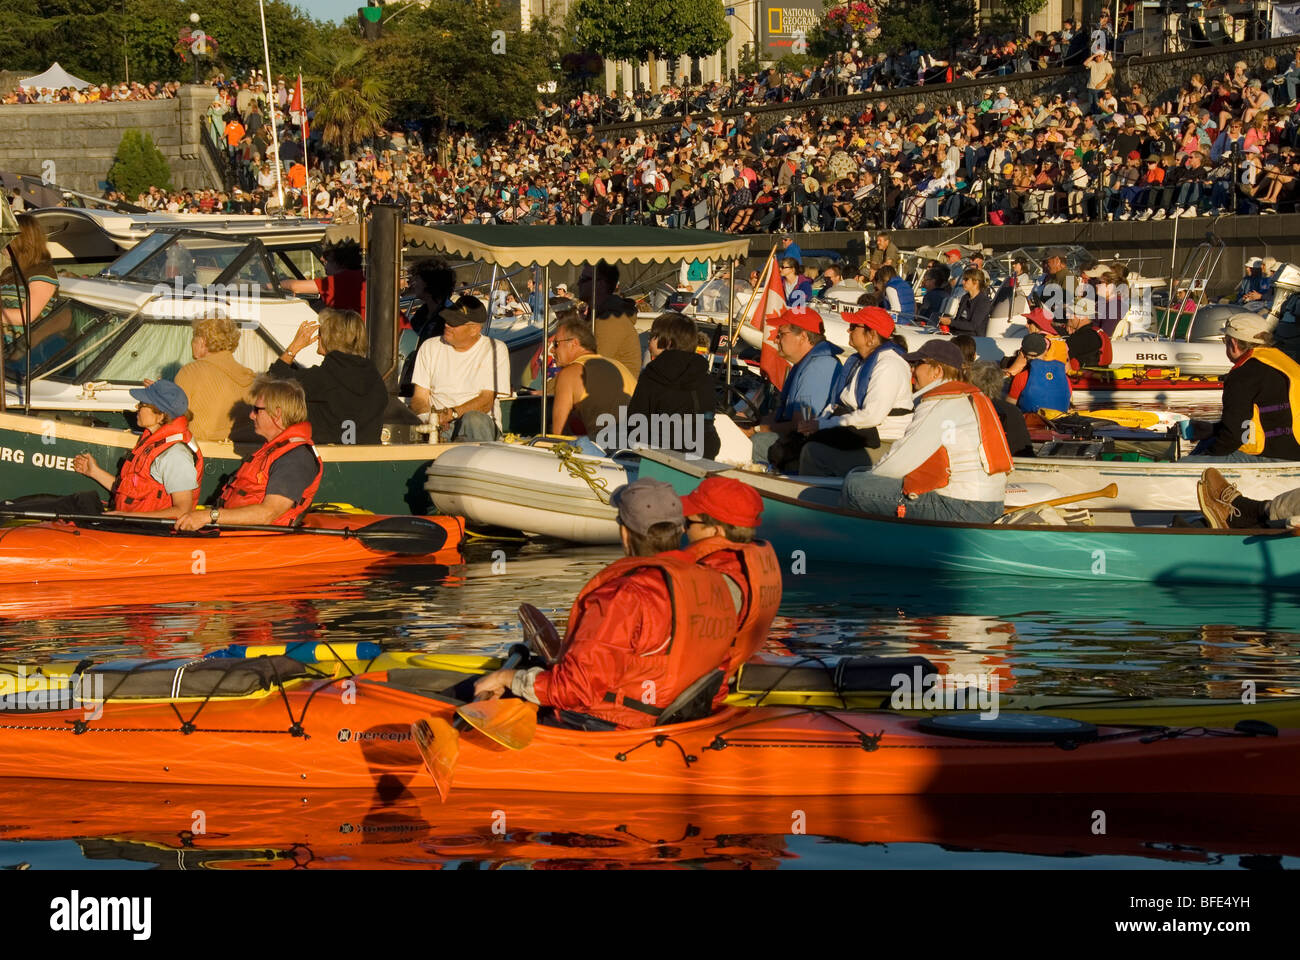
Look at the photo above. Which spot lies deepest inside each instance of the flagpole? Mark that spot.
(275, 135)
(302, 126)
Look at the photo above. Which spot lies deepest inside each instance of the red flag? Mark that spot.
(298, 107)
(768, 304)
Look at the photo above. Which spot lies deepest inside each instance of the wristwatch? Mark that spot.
(216, 513)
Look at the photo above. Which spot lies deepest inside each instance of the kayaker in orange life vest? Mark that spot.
(640, 632)
(276, 484)
(162, 474)
(722, 517)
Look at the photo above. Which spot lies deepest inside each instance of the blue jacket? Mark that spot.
(1262, 285)
(793, 252)
(1047, 386)
(906, 300)
(810, 381)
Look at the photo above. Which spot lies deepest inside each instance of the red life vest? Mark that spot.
(248, 486)
(995, 455)
(756, 570)
(1107, 350)
(698, 639)
(136, 490)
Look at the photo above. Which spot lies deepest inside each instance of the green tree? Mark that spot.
(462, 64)
(644, 30)
(1013, 14)
(350, 102)
(138, 165)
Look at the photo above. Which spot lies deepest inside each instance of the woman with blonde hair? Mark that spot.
(216, 383)
(346, 396)
(21, 302)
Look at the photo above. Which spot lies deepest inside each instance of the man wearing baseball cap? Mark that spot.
(951, 463)
(1254, 285)
(801, 338)
(1261, 397)
(722, 517)
(1039, 379)
(162, 474)
(871, 401)
(640, 632)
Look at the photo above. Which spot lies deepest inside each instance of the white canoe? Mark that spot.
(1159, 486)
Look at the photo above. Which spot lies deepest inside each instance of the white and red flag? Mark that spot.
(761, 314)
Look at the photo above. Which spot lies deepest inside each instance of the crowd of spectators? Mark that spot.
(1220, 144)
(92, 93)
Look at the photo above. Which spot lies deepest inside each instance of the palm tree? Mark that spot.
(350, 105)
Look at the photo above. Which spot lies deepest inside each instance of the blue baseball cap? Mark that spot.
(165, 396)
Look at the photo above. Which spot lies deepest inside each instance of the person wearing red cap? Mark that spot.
(951, 463)
(722, 518)
(871, 401)
(802, 340)
(640, 632)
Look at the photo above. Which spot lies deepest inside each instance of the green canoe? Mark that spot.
(818, 538)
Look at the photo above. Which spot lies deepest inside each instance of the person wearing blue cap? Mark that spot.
(162, 474)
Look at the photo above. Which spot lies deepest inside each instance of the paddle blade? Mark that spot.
(409, 536)
(510, 723)
(439, 745)
(539, 633)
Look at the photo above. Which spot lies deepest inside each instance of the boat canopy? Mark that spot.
(517, 245)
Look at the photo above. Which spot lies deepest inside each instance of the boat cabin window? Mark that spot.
(75, 343)
(177, 261)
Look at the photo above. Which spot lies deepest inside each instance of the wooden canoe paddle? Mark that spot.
(510, 722)
(1108, 491)
(409, 536)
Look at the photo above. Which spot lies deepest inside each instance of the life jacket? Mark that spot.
(906, 299)
(1047, 385)
(1107, 349)
(845, 375)
(136, 490)
(699, 639)
(995, 455)
(756, 570)
(1258, 435)
(248, 486)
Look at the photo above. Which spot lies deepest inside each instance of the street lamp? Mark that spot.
(195, 45)
(731, 12)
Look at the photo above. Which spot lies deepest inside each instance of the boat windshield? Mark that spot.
(75, 343)
(185, 259)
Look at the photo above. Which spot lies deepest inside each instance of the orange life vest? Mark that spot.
(698, 640)
(995, 455)
(756, 570)
(136, 490)
(248, 486)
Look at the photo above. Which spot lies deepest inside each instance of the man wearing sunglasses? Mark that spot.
(276, 484)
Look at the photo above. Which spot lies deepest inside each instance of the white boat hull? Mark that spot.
(528, 489)
(1153, 486)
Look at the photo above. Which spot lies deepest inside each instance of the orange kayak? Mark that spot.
(56, 551)
(327, 733)
(229, 827)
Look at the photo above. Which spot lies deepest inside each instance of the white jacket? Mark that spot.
(947, 422)
(890, 389)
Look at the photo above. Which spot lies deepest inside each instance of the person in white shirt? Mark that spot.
(951, 463)
(459, 377)
(871, 402)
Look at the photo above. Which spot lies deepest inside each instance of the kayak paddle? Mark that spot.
(1108, 491)
(509, 722)
(540, 633)
(410, 536)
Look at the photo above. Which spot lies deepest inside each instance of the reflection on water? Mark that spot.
(1038, 637)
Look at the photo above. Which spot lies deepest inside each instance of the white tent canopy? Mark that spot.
(54, 78)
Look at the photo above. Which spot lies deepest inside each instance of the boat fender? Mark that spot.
(1011, 728)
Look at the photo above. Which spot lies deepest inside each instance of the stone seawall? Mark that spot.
(81, 139)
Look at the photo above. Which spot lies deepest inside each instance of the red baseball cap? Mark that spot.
(953, 253)
(804, 318)
(877, 318)
(1041, 319)
(1134, 155)
(726, 500)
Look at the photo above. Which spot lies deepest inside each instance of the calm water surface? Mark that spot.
(1044, 636)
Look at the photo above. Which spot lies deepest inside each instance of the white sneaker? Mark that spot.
(1160, 214)
(1178, 212)
(1144, 215)
(1125, 215)
(1190, 212)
